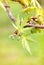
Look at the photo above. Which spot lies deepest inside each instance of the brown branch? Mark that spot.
(8, 11)
(34, 25)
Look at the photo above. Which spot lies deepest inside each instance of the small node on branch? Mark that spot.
(7, 6)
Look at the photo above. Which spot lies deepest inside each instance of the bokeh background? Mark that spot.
(11, 51)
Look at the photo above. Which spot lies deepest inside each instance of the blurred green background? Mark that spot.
(11, 51)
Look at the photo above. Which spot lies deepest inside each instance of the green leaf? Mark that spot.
(33, 3)
(17, 21)
(24, 21)
(25, 45)
(38, 5)
(30, 8)
(35, 30)
(1, 4)
(40, 14)
(30, 39)
(14, 25)
(25, 2)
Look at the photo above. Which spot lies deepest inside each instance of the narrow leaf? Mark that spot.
(2, 6)
(25, 45)
(14, 25)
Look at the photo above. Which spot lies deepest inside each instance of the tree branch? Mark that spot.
(13, 18)
(8, 11)
(34, 25)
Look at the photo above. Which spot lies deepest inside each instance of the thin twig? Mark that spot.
(8, 11)
(34, 25)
